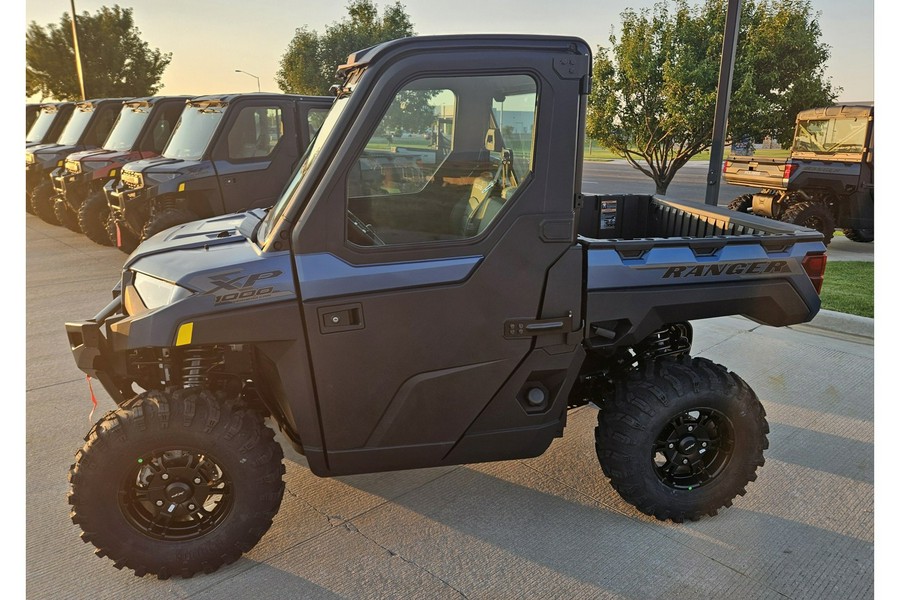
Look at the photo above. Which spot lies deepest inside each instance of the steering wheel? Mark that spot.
(365, 229)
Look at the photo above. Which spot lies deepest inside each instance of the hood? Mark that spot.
(52, 149)
(161, 164)
(99, 154)
(205, 233)
(210, 255)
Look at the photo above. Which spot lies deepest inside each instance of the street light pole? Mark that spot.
(723, 97)
(251, 75)
(77, 53)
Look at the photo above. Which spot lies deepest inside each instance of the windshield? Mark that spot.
(314, 148)
(128, 125)
(75, 127)
(40, 127)
(193, 131)
(831, 136)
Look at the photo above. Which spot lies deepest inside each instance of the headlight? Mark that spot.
(73, 166)
(92, 165)
(157, 178)
(132, 179)
(29, 158)
(146, 293)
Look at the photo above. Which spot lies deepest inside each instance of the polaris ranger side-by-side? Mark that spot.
(90, 123)
(828, 181)
(141, 131)
(228, 152)
(388, 317)
(50, 122)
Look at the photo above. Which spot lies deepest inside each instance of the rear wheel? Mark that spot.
(814, 215)
(93, 217)
(42, 201)
(681, 438)
(163, 219)
(173, 484)
(741, 203)
(65, 215)
(860, 235)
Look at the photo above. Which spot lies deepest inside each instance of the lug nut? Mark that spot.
(159, 502)
(165, 475)
(690, 427)
(198, 480)
(685, 461)
(671, 445)
(192, 506)
(704, 444)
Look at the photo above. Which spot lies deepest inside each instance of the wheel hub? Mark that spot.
(693, 448)
(176, 495)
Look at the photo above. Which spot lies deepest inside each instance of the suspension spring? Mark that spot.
(196, 365)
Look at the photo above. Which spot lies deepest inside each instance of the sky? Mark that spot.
(210, 40)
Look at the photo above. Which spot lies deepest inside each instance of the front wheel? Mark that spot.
(681, 438)
(93, 217)
(42, 203)
(176, 483)
(65, 215)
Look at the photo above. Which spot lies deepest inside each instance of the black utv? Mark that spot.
(90, 123)
(142, 129)
(228, 153)
(829, 180)
(50, 121)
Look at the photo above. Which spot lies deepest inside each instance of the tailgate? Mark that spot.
(755, 172)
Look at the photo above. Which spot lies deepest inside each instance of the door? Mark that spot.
(255, 153)
(443, 235)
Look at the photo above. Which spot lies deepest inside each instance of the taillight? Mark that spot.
(814, 265)
(725, 166)
(788, 169)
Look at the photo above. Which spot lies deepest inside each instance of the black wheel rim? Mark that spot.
(693, 448)
(176, 495)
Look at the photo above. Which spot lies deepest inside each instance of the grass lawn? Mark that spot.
(849, 287)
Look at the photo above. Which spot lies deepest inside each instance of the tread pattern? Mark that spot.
(649, 397)
(236, 435)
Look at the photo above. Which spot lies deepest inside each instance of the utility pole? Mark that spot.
(77, 53)
(251, 75)
(723, 98)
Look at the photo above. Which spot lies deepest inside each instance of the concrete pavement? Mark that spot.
(549, 527)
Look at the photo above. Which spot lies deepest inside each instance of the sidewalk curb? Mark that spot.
(844, 323)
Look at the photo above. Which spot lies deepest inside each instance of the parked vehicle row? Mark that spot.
(120, 170)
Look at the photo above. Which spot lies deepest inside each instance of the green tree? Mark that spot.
(654, 90)
(309, 64)
(115, 61)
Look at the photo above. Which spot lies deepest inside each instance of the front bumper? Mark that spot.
(129, 207)
(93, 354)
(72, 187)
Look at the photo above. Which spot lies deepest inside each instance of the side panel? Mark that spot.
(255, 153)
(415, 349)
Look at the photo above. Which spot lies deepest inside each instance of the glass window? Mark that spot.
(447, 156)
(194, 130)
(255, 132)
(316, 117)
(42, 125)
(75, 127)
(163, 124)
(125, 132)
(831, 136)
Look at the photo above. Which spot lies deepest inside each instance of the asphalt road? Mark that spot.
(689, 184)
(548, 527)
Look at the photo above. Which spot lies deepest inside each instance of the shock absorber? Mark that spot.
(195, 366)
